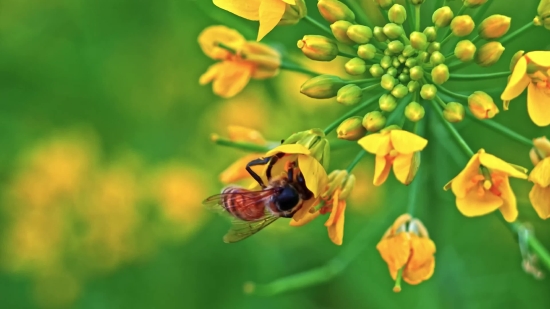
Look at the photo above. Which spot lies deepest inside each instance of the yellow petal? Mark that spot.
(210, 37)
(248, 9)
(540, 198)
(509, 208)
(211, 74)
(289, 148)
(538, 105)
(244, 134)
(406, 142)
(541, 58)
(314, 174)
(395, 251)
(402, 167)
(232, 79)
(336, 230)
(303, 212)
(493, 163)
(237, 170)
(518, 81)
(421, 264)
(473, 205)
(271, 12)
(461, 182)
(540, 175)
(377, 143)
(381, 170)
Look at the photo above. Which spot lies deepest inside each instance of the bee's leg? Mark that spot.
(260, 161)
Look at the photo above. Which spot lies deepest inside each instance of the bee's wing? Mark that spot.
(242, 229)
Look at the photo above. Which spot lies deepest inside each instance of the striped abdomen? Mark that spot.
(244, 204)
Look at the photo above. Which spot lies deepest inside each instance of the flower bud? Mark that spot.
(349, 95)
(397, 14)
(430, 33)
(333, 10)
(404, 78)
(339, 30)
(396, 47)
(428, 91)
(489, 54)
(294, 13)
(399, 91)
(374, 121)
(385, 4)
(473, 3)
(409, 51)
(453, 112)
(318, 47)
(442, 17)
(416, 73)
(387, 82)
(437, 58)
(386, 62)
(379, 35)
(515, 59)
(410, 62)
(418, 40)
(413, 86)
(351, 129)
(392, 31)
(433, 47)
(462, 25)
(392, 71)
(494, 26)
(440, 74)
(376, 70)
(414, 111)
(366, 51)
(359, 34)
(322, 86)
(387, 102)
(465, 50)
(482, 105)
(355, 66)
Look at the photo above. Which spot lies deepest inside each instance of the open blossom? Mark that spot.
(532, 71)
(240, 60)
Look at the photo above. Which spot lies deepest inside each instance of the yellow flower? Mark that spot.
(483, 187)
(270, 13)
(240, 60)
(394, 147)
(408, 249)
(540, 194)
(532, 71)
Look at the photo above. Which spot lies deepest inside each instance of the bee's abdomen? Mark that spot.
(241, 206)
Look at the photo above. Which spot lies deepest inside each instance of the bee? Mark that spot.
(252, 210)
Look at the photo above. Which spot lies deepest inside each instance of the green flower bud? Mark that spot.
(396, 47)
(437, 58)
(442, 17)
(392, 71)
(294, 13)
(440, 74)
(366, 51)
(417, 2)
(515, 59)
(386, 62)
(359, 34)
(416, 73)
(397, 14)
(428, 91)
(339, 29)
(349, 95)
(481, 105)
(374, 121)
(376, 70)
(401, 59)
(409, 51)
(414, 111)
(392, 31)
(430, 33)
(355, 66)
(387, 82)
(387, 102)
(379, 35)
(453, 112)
(433, 47)
(418, 40)
(351, 129)
(489, 54)
(404, 78)
(318, 47)
(385, 4)
(333, 10)
(413, 86)
(399, 91)
(465, 50)
(410, 62)
(462, 25)
(494, 26)
(322, 86)
(473, 3)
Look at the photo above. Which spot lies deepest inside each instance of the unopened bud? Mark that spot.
(442, 17)
(386, 62)
(392, 31)
(351, 129)
(355, 66)
(515, 59)
(396, 47)
(387, 82)
(430, 33)
(462, 25)
(349, 95)
(440, 74)
(494, 26)
(374, 121)
(416, 73)
(414, 111)
(379, 35)
(489, 54)
(339, 30)
(322, 86)
(410, 62)
(433, 47)
(465, 50)
(413, 86)
(392, 71)
(333, 10)
(399, 91)
(404, 78)
(473, 3)
(397, 14)
(294, 13)
(376, 70)
(318, 47)
(409, 51)
(481, 105)
(385, 4)
(359, 34)
(428, 91)
(437, 58)
(453, 112)
(418, 40)
(387, 102)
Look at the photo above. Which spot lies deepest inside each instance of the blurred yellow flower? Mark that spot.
(483, 187)
(240, 60)
(532, 71)
(408, 249)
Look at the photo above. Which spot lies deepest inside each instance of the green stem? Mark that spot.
(454, 133)
(295, 68)
(238, 145)
(358, 158)
(478, 76)
(512, 35)
(417, 17)
(317, 24)
(502, 129)
(352, 112)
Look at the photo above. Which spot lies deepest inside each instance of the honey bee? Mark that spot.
(251, 211)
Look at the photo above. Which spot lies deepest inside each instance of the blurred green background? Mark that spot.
(106, 158)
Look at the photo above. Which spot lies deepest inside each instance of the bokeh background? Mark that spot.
(106, 156)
